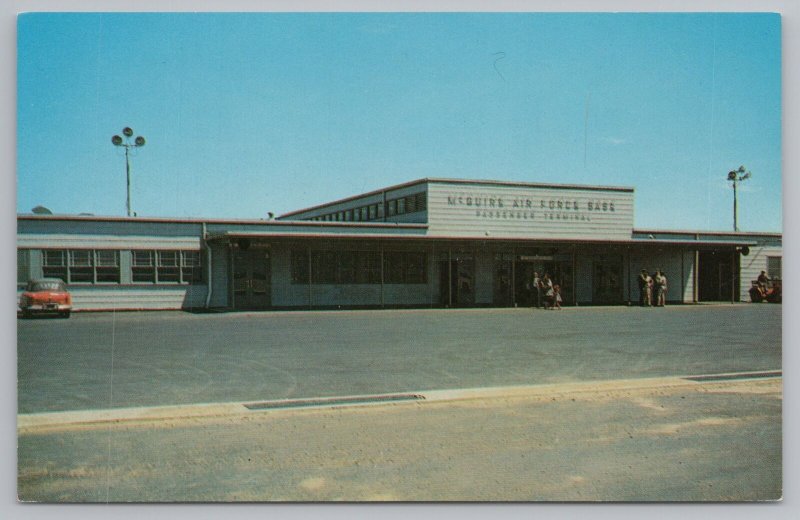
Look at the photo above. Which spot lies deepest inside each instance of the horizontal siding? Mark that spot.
(79, 241)
(500, 211)
(752, 265)
(135, 298)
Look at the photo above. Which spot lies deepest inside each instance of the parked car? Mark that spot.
(46, 295)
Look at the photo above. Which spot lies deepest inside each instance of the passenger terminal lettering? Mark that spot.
(526, 209)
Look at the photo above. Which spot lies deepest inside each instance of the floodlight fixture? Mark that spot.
(128, 145)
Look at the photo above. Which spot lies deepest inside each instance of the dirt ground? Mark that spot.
(690, 442)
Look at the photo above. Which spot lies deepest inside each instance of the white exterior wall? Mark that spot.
(80, 241)
(689, 274)
(220, 273)
(679, 275)
(164, 297)
(124, 296)
(479, 211)
(752, 265)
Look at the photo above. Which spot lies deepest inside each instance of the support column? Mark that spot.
(383, 301)
(629, 278)
(695, 277)
(450, 277)
(310, 299)
(514, 276)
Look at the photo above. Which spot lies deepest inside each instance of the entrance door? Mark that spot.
(251, 279)
(457, 281)
(717, 278)
(503, 275)
(607, 282)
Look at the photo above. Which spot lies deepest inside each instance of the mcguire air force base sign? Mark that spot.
(521, 211)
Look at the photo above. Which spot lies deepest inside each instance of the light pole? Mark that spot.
(737, 176)
(126, 143)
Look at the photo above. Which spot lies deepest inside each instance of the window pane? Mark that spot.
(415, 268)
(401, 206)
(411, 204)
(168, 274)
(347, 267)
(373, 211)
(393, 267)
(54, 258)
(323, 268)
(54, 264)
(142, 258)
(168, 259)
(368, 268)
(107, 258)
(421, 201)
(774, 266)
(81, 275)
(392, 207)
(299, 266)
(108, 274)
(80, 258)
(191, 258)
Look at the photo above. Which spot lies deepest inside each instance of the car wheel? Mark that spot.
(64, 314)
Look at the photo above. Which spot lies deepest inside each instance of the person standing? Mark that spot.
(661, 288)
(645, 286)
(547, 289)
(536, 290)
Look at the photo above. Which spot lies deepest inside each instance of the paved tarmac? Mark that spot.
(113, 360)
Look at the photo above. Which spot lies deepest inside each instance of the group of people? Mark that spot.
(544, 292)
(650, 286)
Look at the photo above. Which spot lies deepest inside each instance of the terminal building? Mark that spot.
(426, 243)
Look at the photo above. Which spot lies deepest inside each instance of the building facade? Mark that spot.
(426, 243)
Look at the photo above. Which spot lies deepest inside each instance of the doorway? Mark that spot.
(558, 268)
(251, 279)
(718, 277)
(607, 287)
(457, 280)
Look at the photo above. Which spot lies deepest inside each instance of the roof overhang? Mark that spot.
(376, 234)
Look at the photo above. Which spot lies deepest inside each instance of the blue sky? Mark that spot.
(250, 113)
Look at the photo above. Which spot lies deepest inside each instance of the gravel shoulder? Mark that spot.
(717, 441)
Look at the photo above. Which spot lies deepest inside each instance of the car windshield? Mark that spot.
(46, 286)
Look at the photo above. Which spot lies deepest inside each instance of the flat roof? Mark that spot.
(473, 182)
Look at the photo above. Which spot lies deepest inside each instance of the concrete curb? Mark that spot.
(38, 423)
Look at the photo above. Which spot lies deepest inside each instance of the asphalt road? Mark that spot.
(108, 360)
